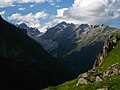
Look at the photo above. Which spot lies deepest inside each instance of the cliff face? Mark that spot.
(107, 47)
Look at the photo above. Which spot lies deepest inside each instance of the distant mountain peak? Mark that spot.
(63, 22)
(22, 25)
(30, 30)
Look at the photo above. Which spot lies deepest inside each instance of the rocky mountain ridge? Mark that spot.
(32, 32)
(74, 43)
(67, 42)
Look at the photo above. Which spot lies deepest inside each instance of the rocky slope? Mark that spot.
(107, 47)
(104, 76)
(24, 64)
(76, 45)
(100, 73)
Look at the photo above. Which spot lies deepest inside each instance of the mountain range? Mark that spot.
(76, 45)
(29, 30)
(33, 60)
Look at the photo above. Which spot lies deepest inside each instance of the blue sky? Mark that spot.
(50, 8)
(46, 13)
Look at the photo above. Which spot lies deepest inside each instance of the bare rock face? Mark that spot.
(82, 81)
(84, 75)
(108, 46)
(99, 79)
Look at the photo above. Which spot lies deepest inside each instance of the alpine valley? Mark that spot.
(76, 46)
(66, 57)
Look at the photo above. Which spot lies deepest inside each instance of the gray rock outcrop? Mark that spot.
(107, 47)
(94, 75)
(82, 81)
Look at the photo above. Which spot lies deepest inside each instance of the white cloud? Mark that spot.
(60, 12)
(32, 20)
(91, 11)
(49, 24)
(57, 6)
(7, 3)
(2, 12)
(21, 9)
(32, 6)
(40, 15)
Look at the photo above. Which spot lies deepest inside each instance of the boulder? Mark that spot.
(103, 88)
(119, 72)
(94, 75)
(82, 81)
(106, 73)
(98, 79)
(84, 75)
(114, 71)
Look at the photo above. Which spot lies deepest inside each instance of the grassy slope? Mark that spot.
(112, 58)
(113, 83)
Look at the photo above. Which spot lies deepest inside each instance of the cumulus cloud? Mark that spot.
(32, 6)
(32, 20)
(91, 12)
(60, 12)
(21, 9)
(2, 12)
(7, 3)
